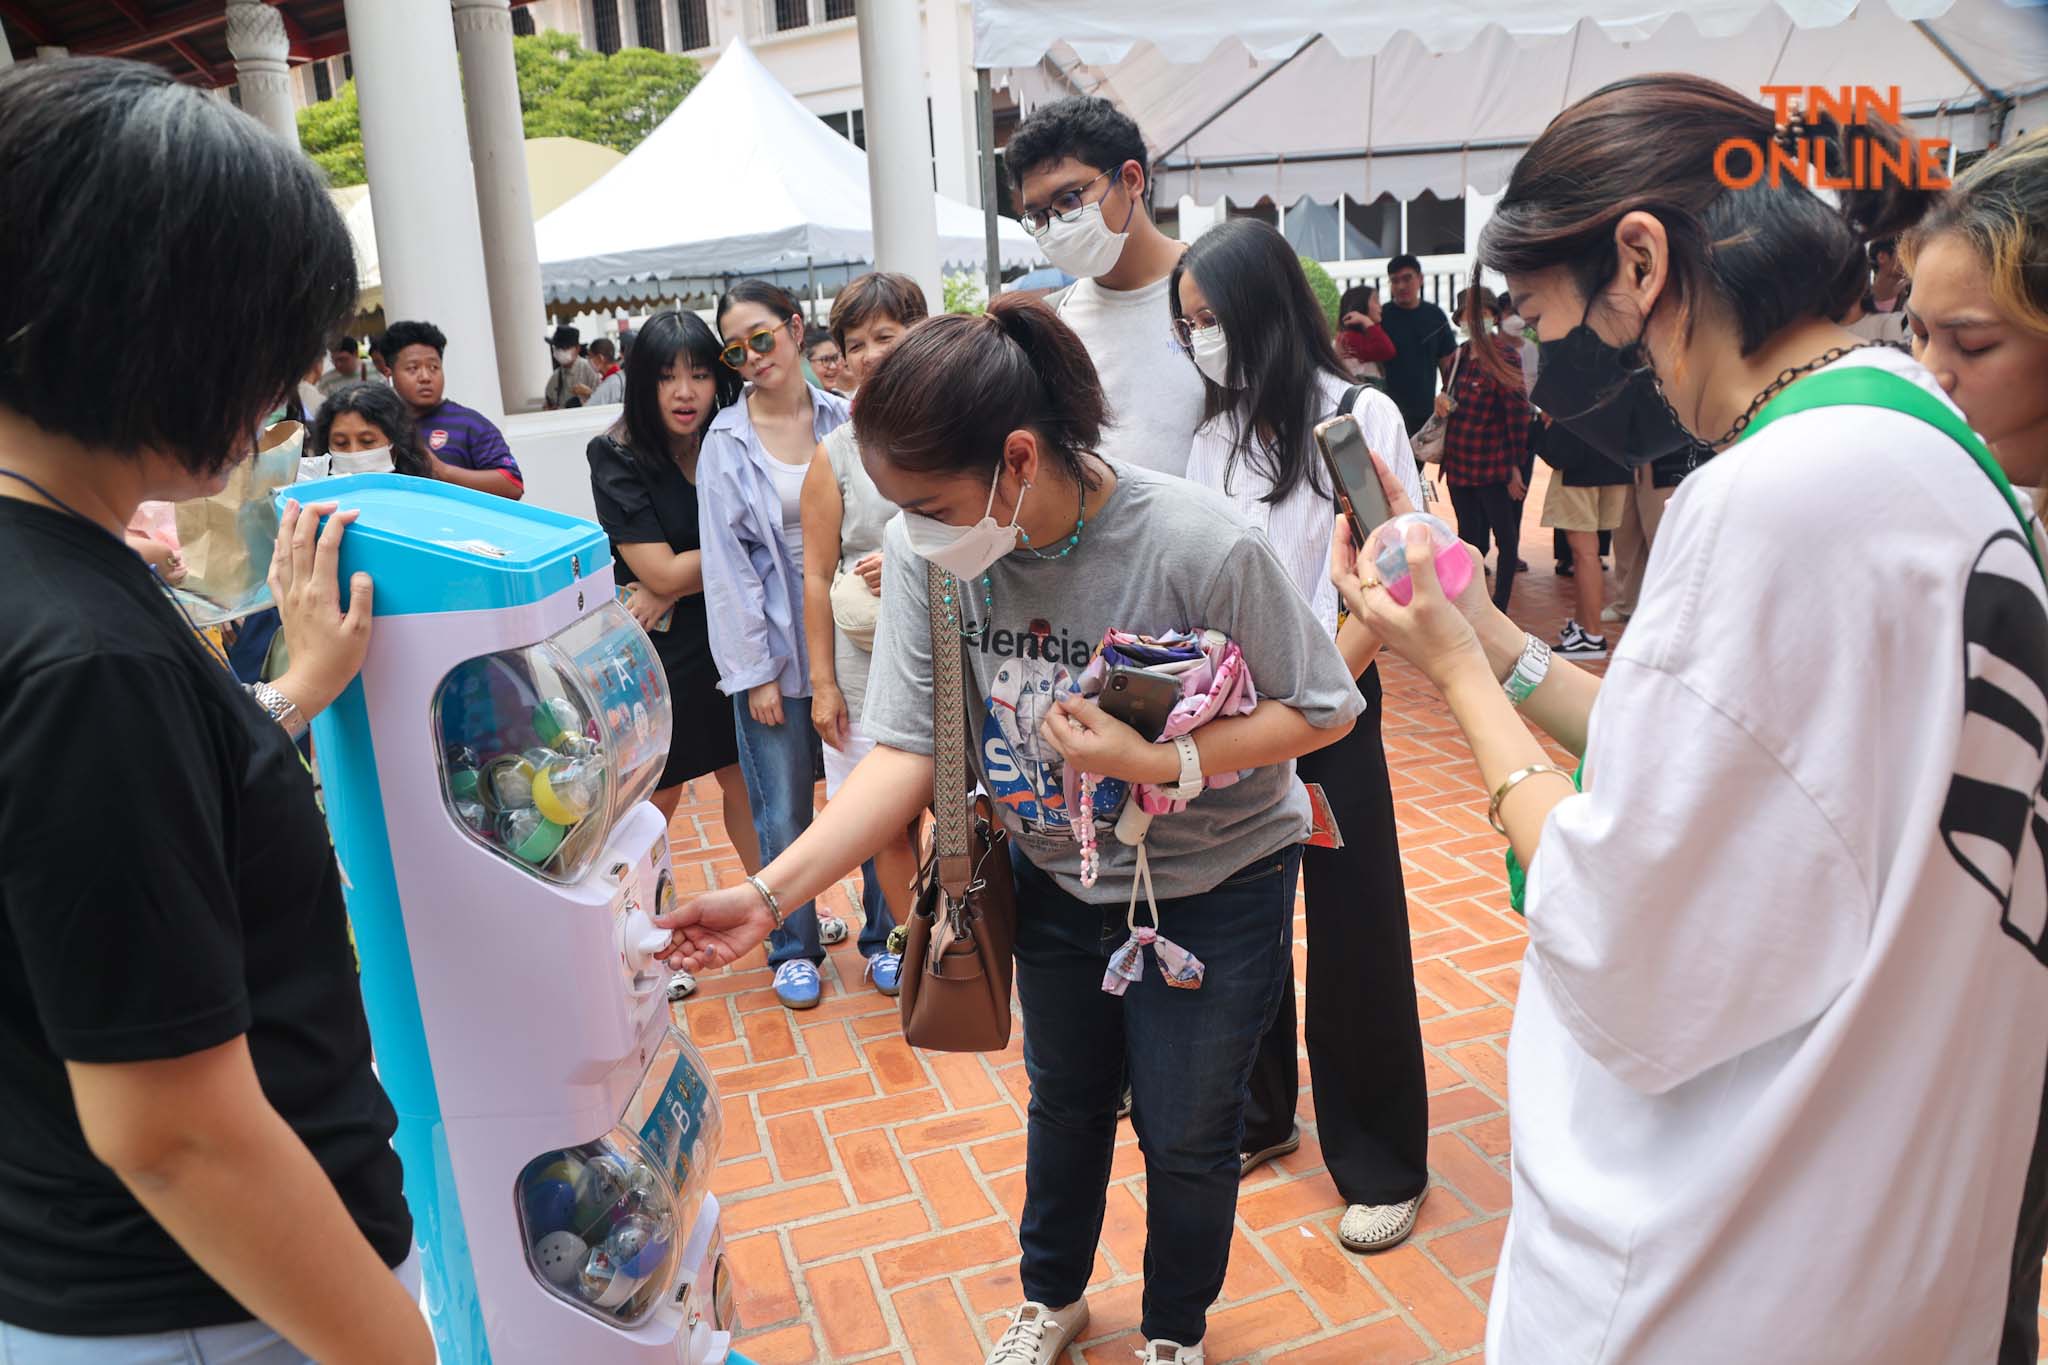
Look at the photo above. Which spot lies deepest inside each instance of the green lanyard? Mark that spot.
(1870, 387)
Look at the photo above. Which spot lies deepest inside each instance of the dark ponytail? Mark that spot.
(1773, 254)
(954, 388)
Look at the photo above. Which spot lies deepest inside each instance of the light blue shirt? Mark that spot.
(753, 587)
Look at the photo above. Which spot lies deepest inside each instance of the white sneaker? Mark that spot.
(1376, 1227)
(1614, 615)
(1040, 1335)
(1170, 1353)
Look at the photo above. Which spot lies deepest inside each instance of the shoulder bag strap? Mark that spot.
(1867, 386)
(1349, 401)
(949, 740)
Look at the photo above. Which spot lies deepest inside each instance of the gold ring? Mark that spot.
(1368, 583)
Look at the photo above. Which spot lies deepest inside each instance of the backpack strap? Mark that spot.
(1349, 401)
(1868, 386)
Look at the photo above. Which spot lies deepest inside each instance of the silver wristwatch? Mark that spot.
(1529, 672)
(279, 708)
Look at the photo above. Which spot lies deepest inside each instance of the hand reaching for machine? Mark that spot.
(716, 929)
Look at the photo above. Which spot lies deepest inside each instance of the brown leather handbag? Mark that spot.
(955, 994)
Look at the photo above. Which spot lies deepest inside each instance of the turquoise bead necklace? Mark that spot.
(988, 592)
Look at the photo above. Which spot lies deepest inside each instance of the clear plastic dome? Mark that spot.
(605, 1223)
(599, 1222)
(544, 748)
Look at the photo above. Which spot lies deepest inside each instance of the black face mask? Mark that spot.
(1607, 396)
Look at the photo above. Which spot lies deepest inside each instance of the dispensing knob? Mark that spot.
(641, 941)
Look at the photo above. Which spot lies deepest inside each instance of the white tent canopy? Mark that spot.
(1286, 98)
(740, 180)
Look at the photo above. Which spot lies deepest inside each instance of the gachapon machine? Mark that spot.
(486, 780)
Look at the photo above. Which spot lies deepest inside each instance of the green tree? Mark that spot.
(565, 90)
(332, 134)
(1324, 287)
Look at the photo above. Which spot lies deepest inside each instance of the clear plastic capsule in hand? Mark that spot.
(1387, 550)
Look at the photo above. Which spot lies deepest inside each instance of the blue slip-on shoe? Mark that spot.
(885, 970)
(796, 984)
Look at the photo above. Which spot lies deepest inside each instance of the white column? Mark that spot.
(256, 40)
(947, 56)
(504, 201)
(418, 162)
(899, 150)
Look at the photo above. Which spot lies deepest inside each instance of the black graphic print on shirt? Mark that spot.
(1995, 821)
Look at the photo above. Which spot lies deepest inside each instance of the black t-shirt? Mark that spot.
(642, 505)
(1422, 336)
(166, 885)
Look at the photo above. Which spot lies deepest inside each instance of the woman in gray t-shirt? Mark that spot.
(983, 430)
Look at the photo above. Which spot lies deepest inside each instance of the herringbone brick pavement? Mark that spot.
(872, 1192)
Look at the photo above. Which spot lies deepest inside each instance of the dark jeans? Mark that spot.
(1189, 1053)
(1364, 1037)
(874, 933)
(1486, 510)
(776, 761)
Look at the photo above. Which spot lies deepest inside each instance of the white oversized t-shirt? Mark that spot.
(1778, 1058)
(1154, 390)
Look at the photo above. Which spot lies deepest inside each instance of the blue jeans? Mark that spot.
(874, 935)
(1189, 1054)
(776, 761)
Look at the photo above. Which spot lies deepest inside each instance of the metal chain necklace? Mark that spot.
(1756, 404)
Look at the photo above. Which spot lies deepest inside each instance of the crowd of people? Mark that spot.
(1796, 871)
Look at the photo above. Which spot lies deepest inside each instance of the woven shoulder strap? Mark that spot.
(950, 735)
(1868, 386)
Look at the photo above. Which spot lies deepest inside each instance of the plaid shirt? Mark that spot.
(1487, 437)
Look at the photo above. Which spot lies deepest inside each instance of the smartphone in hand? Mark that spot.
(1141, 698)
(1354, 476)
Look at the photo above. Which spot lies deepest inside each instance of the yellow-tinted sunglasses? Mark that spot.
(760, 343)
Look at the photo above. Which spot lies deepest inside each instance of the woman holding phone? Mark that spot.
(1979, 319)
(983, 430)
(1244, 313)
(1805, 868)
(751, 480)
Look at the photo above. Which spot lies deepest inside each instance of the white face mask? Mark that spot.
(966, 551)
(1211, 354)
(1085, 247)
(373, 461)
(563, 355)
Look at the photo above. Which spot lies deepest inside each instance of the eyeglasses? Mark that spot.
(1065, 206)
(1201, 320)
(760, 343)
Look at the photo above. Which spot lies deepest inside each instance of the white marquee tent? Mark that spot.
(1286, 98)
(740, 180)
